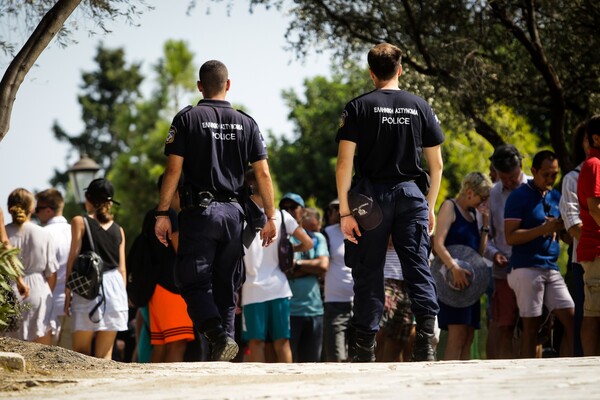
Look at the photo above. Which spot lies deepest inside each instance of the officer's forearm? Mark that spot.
(343, 173)
(265, 187)
(433, 156)
(170, 181)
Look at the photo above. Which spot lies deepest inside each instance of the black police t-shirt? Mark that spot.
(390, 129)
(217, 143)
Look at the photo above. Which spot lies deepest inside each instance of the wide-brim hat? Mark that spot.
(468, 259)
(364, 206)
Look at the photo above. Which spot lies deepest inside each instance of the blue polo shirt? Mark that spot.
(527, 204)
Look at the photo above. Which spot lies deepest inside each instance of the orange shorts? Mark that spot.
(169, 320)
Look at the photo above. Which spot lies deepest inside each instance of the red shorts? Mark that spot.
(505, 311)
(169, 320)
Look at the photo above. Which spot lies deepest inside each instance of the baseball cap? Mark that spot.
(506, 158)
(296, 198)
(363, 205)
(100, 191)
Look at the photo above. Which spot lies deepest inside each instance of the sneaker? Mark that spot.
(225, 350)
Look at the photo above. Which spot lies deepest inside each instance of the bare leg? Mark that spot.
(457, 337)
(46, 339)
(566, 316)
(82, 342)
(590, 335)
(466, 350)
(529, 336)
(175, 351)
(500, 339)
(283, 350)
(158, 353)
(392, 348)
(257, 351)
(105, 341)
(407, 347)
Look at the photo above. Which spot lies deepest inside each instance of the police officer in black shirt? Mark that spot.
(213, 144)
(389, 129)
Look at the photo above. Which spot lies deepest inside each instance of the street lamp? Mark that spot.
(81, 174)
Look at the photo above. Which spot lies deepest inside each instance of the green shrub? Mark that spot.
(10, 269)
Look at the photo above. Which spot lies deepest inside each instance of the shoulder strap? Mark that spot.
(88, 232)
(283, 229)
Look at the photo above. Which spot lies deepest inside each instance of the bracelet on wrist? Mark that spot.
(485, 229)
(346, 215)
(164, 213)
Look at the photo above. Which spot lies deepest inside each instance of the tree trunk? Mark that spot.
(48, 27)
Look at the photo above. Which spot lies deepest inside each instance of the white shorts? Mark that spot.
(536, 287)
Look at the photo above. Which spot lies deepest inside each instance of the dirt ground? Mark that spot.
(55, 373)
(53, 364)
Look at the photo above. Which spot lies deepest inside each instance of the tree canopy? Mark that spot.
(533, 56)
(50, 17)
(315, 113)
(124, 129)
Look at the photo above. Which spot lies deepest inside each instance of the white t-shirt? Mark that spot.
(264, 279)
(61, 234)
(60, 230)
(338, 279)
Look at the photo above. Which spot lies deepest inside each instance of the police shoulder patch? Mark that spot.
(343, 118)
(171, 134)
(172, 129)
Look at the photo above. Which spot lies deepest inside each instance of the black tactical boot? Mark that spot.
(222, 347)
(362, 346)
(423, 350)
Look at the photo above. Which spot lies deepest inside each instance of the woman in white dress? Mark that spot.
(39, 261)
(107, 314)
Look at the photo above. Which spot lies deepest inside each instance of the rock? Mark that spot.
(12, 361)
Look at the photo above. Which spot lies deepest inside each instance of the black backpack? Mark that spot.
(142, 274)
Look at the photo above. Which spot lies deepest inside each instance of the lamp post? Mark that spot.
(81, 174)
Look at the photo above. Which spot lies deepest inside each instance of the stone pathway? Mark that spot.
(570, 378)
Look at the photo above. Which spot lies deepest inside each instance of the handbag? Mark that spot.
(285, 249)
(86, 277)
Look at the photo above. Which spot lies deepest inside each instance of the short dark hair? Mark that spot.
(213, 75)
(52, 197)
(542, 156)
(506, 158)
(384, 60)
(593, 128)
